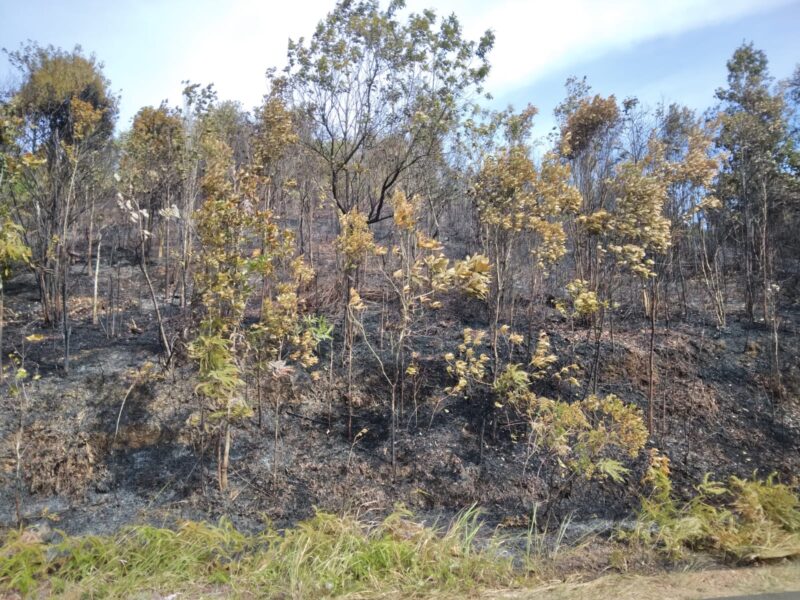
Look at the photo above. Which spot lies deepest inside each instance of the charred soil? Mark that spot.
(102, 446)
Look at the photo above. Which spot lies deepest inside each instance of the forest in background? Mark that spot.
(374, 259)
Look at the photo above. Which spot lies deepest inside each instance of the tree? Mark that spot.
(754, 135)
(691, 207)
(590, 144)
(197, 102)
(423, 274)
(152, 162)
(221, 282)
(380, 95)
(67, 115)
(354, 244)
(517, 202)
(755, 180)
(238, 241)
(151, 176)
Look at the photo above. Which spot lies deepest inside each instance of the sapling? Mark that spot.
(12, 249)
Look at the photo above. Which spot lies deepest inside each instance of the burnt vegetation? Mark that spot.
(370, 290)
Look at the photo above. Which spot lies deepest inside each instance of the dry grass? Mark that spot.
(692, 585)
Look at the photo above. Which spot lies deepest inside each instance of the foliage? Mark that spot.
(590, 436)
(355, 241)
(586, 123)
(585, 437)
(380, 94)
(153, 158)
(56, 83)
(469, 367)
(639, 226)
(424, 269)
(219, 374)
(282, 332)
(276, 132)
(12, 246)
(584, 301)
(542, 358)
(513, 198)
(744, 520)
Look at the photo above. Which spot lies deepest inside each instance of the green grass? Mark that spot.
(334, 556)
(325, 556)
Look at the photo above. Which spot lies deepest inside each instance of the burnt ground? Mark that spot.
(79, 468)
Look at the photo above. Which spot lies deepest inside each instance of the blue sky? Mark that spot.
(670, 50)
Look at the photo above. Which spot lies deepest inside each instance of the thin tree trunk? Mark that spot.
(651, 387)
(64, 258)
(166, 261)
(89, 244)
(258, 390)
(66, 329)
(277, 437)
(162, 332)
(2, 308)
(225, 459)
(96, 278)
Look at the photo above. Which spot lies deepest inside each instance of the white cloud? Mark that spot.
(232, 44)
(536, 37)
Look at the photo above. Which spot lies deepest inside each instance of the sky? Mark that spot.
(656, 50)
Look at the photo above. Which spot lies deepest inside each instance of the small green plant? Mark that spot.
(319, 327)
(12, 249)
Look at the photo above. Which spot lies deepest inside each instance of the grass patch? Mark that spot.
(334, 556)
(325, 556)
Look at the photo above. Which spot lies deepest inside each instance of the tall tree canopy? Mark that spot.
(381, 94)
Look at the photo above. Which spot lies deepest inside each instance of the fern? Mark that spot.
(745, 520)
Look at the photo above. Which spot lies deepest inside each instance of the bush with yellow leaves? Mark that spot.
(519, 203)
(584, 300)
(584, 438)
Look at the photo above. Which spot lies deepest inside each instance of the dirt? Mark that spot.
(778, 582)
(104, 446)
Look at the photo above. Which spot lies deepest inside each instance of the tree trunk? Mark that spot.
(67, 330)
(96, 278)
(651, 387)
(2, 307)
